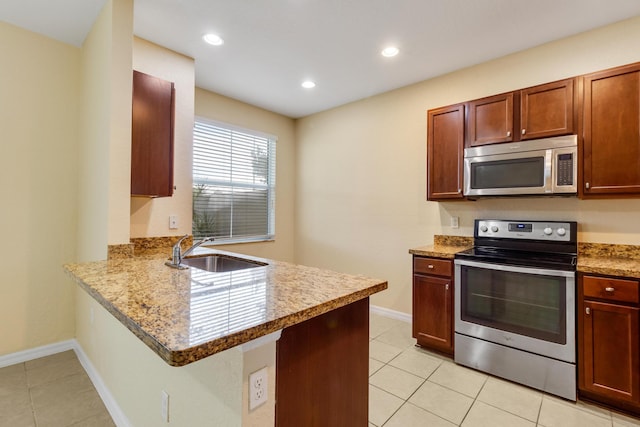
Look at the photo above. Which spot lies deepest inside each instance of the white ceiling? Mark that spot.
(271, 46)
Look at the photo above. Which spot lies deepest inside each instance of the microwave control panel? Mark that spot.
(564, 174)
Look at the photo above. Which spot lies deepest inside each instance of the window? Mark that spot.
(234, 174)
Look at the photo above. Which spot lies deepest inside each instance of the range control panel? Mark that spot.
(529, 230)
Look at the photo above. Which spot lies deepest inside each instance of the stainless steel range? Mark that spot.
(515, 303)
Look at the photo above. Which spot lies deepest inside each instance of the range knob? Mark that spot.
(483, 228)
(561, 231)
(548, 231)
(494, 228)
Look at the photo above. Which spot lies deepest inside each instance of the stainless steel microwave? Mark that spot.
(537, 167)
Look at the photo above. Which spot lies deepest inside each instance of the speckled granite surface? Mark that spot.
(444, 246)
(186, 315)
(120, 251)
(145, 246)
(597, 258)
(614, 260)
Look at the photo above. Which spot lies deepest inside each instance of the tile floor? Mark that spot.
(53, 391)
(408, 386)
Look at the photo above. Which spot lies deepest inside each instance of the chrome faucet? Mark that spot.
(177, 254)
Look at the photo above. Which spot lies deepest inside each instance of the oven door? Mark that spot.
(509, 174)
(526, 308)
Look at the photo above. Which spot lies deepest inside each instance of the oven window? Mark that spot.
(526, 304)
(514, 173)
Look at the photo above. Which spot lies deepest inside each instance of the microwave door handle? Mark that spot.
(549, 171)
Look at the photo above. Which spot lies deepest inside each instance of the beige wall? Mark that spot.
(39, 91)
(203, 393)
(150, 217)
(105, 132)
(361, 182)
(222, 109)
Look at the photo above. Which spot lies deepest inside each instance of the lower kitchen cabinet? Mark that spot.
(433, 303)
(608, 341)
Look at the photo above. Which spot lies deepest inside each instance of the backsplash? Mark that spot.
(145, 246)
(452, 240)
(606, 250)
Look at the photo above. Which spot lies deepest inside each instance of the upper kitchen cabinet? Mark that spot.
(536, 112)
(152, 136)
(490, 120)
(547, 110)
(611, 150)
(445, 145)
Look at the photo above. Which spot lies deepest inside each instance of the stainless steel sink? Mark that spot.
(221, 263)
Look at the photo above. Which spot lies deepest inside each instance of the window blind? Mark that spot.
(233, 183)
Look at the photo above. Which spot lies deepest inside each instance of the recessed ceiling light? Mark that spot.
(308, 84)
(390, 51)
(213, 39)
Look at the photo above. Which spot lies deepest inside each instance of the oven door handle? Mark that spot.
(515, 269)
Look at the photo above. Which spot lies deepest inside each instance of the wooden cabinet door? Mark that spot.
(547, 110)
(432, 312)
(490, 120)
(610, 345)
(612, 132)
(445, 150)
(152, 136)
(322, 370)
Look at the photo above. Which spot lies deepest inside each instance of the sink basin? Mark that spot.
(220, 263)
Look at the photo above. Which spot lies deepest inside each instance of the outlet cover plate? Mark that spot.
(258, 388)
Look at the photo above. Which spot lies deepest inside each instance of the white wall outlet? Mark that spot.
(173, 222)
(258, 388)
(164, 406)
(455, 222)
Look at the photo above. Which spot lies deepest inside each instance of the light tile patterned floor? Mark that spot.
(408, 387)
(411, 387)
(52, 391)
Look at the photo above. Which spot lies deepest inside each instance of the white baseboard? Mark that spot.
(110, 403)
(36, 353)
(119, 418)
(387, 312)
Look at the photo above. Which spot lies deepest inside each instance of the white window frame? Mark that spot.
(269, 185)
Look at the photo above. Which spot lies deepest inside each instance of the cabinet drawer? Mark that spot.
(434, 266)
(611, 289)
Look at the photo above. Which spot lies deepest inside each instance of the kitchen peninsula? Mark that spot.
(208, 324)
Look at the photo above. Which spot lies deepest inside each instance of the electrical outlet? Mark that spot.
(173, 222)
(164, 406)
(455, 222)
(258, 388)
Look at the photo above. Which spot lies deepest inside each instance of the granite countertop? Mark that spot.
(596, 258)
(613, 260)
(444, 246)
(187, 315)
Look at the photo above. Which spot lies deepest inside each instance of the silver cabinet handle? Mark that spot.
(609, 289)
(587, 310)
(508, 133)
(459, 190)
(524, 131)
(586, 185)
(430, 266)
(446, 287)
